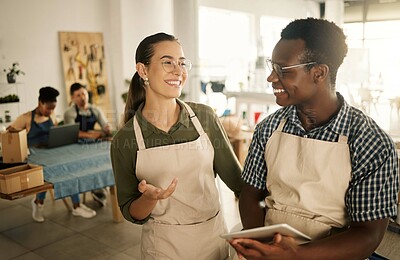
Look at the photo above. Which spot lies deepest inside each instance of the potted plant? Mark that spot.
(13, 72)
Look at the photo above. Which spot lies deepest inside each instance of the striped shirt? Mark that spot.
(373, 189)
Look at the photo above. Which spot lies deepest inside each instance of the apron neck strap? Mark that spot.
(194, 119)
(342, 138)
(281, 125)
(138, 134)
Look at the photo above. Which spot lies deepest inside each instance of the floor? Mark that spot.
(63, 236)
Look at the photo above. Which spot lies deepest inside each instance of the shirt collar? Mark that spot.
(183, 115)
(148, 129)
(339, 124)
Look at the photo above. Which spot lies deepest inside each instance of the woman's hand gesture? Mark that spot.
(156, 193)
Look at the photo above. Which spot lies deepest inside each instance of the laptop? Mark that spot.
(63, 135)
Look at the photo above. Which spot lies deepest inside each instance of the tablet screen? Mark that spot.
(267, 233)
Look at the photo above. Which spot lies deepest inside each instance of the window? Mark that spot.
(225, 47)
(384, 54)
(380, 41)
(270, 31)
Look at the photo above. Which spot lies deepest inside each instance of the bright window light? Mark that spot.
(225, 46)
(270, 31)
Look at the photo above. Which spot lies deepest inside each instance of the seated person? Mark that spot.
(37, 124)
(87, 115)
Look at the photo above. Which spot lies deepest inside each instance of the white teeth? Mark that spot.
(175, 82)
(278, 90)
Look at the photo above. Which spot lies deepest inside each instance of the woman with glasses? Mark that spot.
(166, 156)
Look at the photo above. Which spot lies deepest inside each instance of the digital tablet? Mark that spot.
(267, 233)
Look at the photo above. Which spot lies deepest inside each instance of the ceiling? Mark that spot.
(361, 2)
(368, 10)
(371, 10)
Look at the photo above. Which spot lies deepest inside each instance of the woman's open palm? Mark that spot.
(157, 193)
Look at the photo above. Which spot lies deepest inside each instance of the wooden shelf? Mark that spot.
(16, 108)
(250, 100)
(10, 103)
(24, 193)
(253, 97)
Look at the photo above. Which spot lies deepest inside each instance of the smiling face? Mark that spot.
(296, 86)
(165, 84)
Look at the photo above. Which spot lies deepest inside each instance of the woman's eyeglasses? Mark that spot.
(170, 65)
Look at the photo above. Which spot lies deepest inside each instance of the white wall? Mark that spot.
(139, 18)
(287, 8)
(29, 34)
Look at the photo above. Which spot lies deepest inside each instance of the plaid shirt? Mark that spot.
(373, 188)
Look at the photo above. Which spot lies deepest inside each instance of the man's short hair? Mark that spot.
(325, 42)
(74, 87)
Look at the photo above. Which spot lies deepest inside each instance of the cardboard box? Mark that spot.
(14, 146)
(21, 177)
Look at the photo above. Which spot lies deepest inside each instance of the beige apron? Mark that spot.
(186, 225)
(307, 181)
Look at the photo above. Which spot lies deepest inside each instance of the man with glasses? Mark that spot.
(317, 164)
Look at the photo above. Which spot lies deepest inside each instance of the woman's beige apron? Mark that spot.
(186, 225)
(307, 180)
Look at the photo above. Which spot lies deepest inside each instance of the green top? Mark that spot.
(124, 149)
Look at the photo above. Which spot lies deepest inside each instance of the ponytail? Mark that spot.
(144, 52)
(136, 96)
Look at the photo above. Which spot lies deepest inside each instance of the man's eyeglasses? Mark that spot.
(169, 65)
(279, 70)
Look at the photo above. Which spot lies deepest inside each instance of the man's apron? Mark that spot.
(86, 123)
(186, 225)
(307, 180)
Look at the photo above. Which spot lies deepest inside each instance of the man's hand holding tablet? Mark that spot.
(266, 234)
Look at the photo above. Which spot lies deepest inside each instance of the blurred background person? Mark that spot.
(37, 124)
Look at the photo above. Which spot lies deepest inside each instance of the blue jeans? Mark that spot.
(75, 198)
